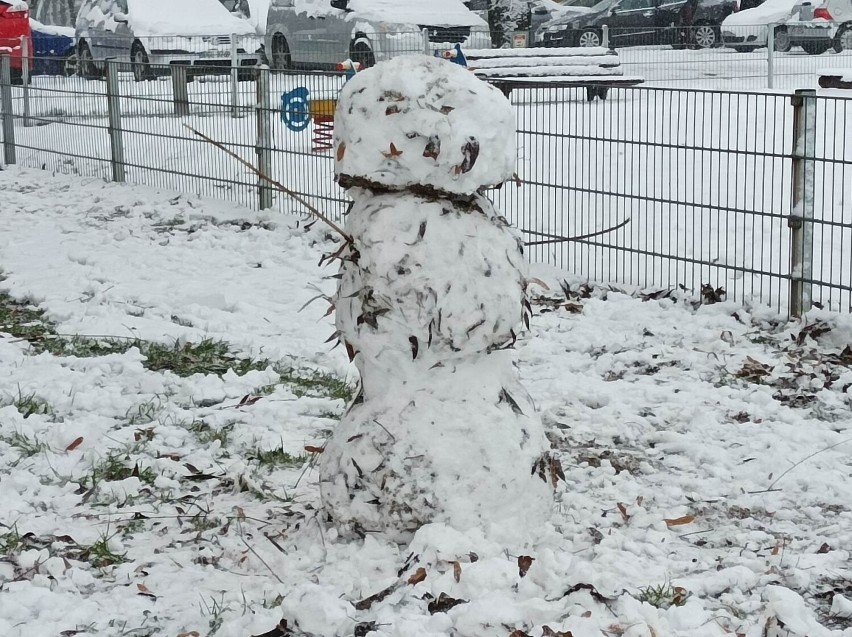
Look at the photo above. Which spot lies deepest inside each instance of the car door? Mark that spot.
(632, 22)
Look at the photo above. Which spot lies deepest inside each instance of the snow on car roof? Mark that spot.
(769, 11)
(187, 17)
(413, 12)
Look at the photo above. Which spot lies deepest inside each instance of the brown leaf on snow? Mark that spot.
(77, 442)
(524, 563)
(518, 633)
(825, 548)
(191, 633)
(684, 519)
(393, 151)
(754, 370)
(341, 150)
(623, 510)
(312, 449)
(143, 590)
(444, 603)
(418, 576)
(547, 631)
(456, 571)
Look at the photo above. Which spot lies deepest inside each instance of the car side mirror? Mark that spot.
(539, 10)
(343, 5)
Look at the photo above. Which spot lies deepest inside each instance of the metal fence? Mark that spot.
(745, 191)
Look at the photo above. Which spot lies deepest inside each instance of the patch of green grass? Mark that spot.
(114, 467)
(27, 404)
(206, 434)
(278, 458)
(663, 596)
(11, 541)
(145, 412)
(315, 383)
(99, 554)
(27, 447)
(207, 357)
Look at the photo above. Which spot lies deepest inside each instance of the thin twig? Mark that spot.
(274, 183)
(257, 555)
(579, 237)
(808, 457)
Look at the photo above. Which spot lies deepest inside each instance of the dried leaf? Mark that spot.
(524, 563)
(433, 147)
(415, 346)
(825, 548)
(456, 571)
(470, 152)
(392, 109)
(191, 633)
(281, 630)
(367, 602)
(77, 442)
(444, 603)
(418, 576)
(143, 590)
(312, 449)
(623, 510)
(393, 151)
(685, 519)
(547, 631)
(341, 150)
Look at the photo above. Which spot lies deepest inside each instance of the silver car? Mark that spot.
(324, 33)
(150, 36)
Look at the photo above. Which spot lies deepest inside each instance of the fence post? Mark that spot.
(114, 110)
(25, 78)
(263, 146)
(180, 89)
(427, 48)
(235, 78)
(770, 56)
(8, 114)
(605, 36)
(801, 217)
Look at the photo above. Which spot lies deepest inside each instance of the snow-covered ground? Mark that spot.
(706, 448)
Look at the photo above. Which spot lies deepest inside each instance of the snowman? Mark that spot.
(431, 296)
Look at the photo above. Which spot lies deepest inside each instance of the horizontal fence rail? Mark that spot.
(750, 192)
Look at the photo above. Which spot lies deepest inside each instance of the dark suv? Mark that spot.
(679, 23)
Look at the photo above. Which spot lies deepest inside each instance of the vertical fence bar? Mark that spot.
(8, 114)
(770, 56)
(235, 78)
(180, 89)
(25, 78)
(263, 145)
(605, 36)
(114, 109)
(426, 46)
(801, 217)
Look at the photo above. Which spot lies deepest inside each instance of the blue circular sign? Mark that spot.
(295, 109)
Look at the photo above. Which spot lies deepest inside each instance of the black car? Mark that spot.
(679, 23)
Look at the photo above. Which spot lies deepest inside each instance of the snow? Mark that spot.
(166, 18)
(643, 400)
(445, 125)
(48, 29)
(769, 12)
(398, 12)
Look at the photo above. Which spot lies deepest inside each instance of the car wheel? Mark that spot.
(588, 38)
(141, 64)
(281, 58)
(705, 36)
(744, 49)
(843, 39)
(86, 67)
(361, 53)
(816, 48)
(782, 40)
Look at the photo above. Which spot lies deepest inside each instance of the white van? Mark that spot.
(323, 33)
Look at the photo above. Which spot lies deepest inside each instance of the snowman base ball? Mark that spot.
(430, 298)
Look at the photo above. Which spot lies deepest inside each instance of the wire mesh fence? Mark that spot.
(713, 183)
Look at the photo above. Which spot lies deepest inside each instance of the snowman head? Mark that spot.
(421, 122)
